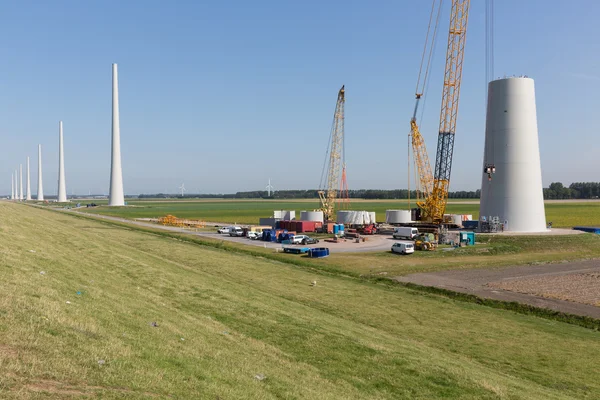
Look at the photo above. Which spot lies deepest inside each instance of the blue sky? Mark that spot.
(223, 95)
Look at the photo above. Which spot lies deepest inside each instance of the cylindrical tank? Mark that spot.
(345, 217)
(397, 216)
(355, 217)
(284, 214)
(372, 217)
(511, 184)
(311, 216)
(456, 219)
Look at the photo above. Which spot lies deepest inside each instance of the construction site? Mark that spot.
(511, 183)
(388, 258)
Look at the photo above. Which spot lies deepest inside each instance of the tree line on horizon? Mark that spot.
(556, 190)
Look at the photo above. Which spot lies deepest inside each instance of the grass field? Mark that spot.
(491, 251)
(223, 319)
(249, 211)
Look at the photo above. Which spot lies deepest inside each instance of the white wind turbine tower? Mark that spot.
(270, 188)
(182, 188)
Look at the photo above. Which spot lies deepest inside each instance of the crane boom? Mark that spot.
(434, 187)
(457, 36)
(328, 194)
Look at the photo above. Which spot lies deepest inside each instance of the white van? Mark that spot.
(405, 232)
(403, 248)
(236, 231)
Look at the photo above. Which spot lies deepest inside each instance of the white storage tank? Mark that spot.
(311, 216)
(355, 217)
(456, 219)
(372, 217)
(284, 215)
(511, 184)
(397, 216)
(344, 217)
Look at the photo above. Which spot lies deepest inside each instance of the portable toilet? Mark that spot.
(468, 238)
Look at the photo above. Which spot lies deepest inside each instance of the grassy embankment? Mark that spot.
(224, 318)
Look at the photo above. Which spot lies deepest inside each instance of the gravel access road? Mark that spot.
(568, 287)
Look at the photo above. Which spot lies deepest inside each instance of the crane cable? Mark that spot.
(423, 85)
(489, 63)
(431, 47)
(323, 181)
(489, 76)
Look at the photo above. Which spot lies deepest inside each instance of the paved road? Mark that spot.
(475, 282)
(373, 243)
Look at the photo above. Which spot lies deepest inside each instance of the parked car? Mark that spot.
(304, 239)
(254, 235)
(223, 229)
(403, 248)
(236, 231)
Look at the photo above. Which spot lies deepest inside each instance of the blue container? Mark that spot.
(336, 229)
(341, 227)
(470, 224)
(318, 252)
(589, 229)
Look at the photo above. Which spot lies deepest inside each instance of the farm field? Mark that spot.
(561, 214)
(91, 309)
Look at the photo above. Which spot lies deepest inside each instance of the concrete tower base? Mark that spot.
(511, 185)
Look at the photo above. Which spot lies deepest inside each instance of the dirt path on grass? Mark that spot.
(569, 287)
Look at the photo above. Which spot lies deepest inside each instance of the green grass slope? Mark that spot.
(223, 319)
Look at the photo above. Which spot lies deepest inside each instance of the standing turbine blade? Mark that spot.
(40, 189)
(20, 181)
(62, 186)
(28, 195)
(116, 174)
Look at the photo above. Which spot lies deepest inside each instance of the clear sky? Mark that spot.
(223, 95)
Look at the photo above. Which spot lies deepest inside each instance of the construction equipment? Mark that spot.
(424, 242)
(172, 220)
(328, 191)
(432, 188)
(370, 229)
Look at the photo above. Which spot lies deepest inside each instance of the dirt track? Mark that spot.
(570, 287)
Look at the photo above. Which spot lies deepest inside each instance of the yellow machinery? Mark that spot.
(432, 188)
(422, 242)
(328, 193)
(172, 220)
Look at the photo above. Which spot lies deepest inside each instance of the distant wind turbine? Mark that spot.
(269, 188)
(182, 188)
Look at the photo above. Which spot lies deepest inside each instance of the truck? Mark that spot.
(405, 232)
(236, 231)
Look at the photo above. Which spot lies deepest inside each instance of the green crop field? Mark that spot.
(94, 310)
(563, 214)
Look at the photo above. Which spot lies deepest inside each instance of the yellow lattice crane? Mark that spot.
(432, 188)
(328, 191)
